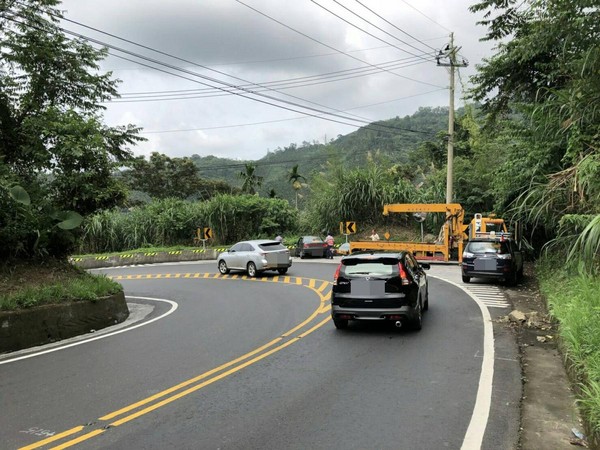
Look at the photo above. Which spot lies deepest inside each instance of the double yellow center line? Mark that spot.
(167, 396)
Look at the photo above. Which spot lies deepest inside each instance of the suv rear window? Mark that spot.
(374, 267)
(272, 246)
(488, 247)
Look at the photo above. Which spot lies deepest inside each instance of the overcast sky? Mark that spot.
(333, 67)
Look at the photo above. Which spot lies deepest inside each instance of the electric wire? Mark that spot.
(329, 46)
(425, 15)
(247, 90)
(279, 120)
(230, 86)
(208, 93)
(285, 80)
(390, 23)
(365, 31)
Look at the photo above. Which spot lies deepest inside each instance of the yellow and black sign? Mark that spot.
(347, 227)
(202, 234)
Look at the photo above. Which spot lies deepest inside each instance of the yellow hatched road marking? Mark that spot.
(323, 286)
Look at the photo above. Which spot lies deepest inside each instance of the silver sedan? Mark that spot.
(255, 257)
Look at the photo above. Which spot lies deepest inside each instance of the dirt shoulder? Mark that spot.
(548, 409)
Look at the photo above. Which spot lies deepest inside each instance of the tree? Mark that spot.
(295, 178)
(53, 144)
(545, 81)
(250, 179)
(161, 176)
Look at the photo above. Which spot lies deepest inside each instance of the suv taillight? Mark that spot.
(337, 274)
(403, 274)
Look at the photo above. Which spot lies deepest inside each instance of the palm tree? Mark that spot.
(294, 177)
(250, 179)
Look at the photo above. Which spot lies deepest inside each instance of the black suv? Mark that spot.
(380, 286)
(492, 258)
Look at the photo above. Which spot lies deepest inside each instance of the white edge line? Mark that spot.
(475, 431)
(174, 307)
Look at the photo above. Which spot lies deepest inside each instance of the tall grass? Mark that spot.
(574, 300)
(171, 222)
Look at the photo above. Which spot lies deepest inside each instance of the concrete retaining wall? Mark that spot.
(125, 259)
(43, 324)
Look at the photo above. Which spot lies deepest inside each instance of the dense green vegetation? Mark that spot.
(56, 155)
(27, 285)
(170, 222)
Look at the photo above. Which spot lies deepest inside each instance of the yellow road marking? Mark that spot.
(188, 382)
(82, 438)
(206, 383)
(56, 437)
(323, 286)
(321, 309)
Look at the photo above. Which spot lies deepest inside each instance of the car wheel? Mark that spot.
(417, 322)
(340, 324)
(466, 279)
(251, 269)
(282, 271)
(223, 267)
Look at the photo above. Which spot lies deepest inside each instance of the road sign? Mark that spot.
(347, 227)
(207, 234)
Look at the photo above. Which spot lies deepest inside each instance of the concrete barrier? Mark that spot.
(49, 323)
(126, 259)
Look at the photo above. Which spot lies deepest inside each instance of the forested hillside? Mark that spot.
(394, 139)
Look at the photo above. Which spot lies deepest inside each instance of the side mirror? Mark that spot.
(231, 250)
(426, 266)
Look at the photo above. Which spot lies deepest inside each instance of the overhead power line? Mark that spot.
(365, 31)
(390, 23)
(426, 16)
(329, 46)
(229, 86)
(281, 120)
(236, 88)
(186, 94)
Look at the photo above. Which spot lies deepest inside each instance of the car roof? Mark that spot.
(260, 241)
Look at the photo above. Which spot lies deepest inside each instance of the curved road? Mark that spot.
(224, 362)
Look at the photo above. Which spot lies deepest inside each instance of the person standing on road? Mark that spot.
(374, 235)
(330, 242)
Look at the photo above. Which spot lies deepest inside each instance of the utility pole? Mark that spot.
(449, 53)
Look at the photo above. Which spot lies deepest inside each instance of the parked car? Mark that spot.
(255, 257)
(498, 258)
(310, 246)
(380, 286)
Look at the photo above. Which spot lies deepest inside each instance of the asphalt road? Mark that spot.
(228, 363)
